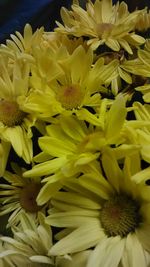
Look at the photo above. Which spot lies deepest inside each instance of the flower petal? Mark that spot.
(107, 253)
(80, 239)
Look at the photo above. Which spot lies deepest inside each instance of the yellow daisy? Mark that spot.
(22, 45)
(59, 84)
(72, 145)
(15, 123)
(103, 23)
(108, 211)
(18, 194)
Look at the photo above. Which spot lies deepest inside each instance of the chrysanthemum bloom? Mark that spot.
(72, 144)
(102, 23)
(22, 45)
(56, 40)
(18, 194)
(31, 243)
(15, 123)
(110, 214)
(62, 83)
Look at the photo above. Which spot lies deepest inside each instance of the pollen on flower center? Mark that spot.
(70, 96)
(120, 215)
(28, 197)
(10, 114)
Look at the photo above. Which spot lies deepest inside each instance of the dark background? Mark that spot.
(15, 14)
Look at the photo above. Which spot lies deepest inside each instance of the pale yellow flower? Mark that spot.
(22, 45)
(15, 123)
(30, 245)
(108, 211)
(103, 23)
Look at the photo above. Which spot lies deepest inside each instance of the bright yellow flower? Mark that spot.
(72, 145)
(61, 82)
(102, 23)
(109, 212)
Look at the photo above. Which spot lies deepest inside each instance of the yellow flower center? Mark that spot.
(70, 96)
(10, 114)
(28, 197)
(120, 215)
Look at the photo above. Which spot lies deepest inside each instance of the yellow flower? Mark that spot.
(30, 244)
(117, 85)
(108, 211)
(18, 194)
(61, 82)
(15, 123)
(22, 45)
(72, 145)
(102, 23)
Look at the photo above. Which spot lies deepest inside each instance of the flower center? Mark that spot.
(70, 96)
(120, 215)
(28, 197)
(102, 28)
(10, 114)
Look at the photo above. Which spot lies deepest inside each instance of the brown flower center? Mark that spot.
(10, 114)
(28, 197)
(70, 96)
(120, 215)
(104, 28)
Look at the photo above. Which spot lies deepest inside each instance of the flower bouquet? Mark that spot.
(75, 141)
